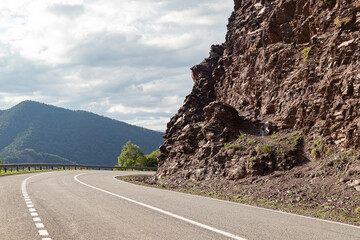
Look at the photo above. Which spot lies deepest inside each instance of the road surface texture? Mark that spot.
(93, 205)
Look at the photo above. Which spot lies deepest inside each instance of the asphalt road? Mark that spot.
(93, 205)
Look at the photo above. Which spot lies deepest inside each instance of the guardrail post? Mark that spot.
(5, 169)
(17, 168)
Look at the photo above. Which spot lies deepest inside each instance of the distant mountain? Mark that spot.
(36, 132)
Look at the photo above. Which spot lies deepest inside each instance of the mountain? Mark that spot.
(36, 132)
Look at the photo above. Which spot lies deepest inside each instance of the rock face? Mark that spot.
(292, 64)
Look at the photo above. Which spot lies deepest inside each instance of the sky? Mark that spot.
(124, 59)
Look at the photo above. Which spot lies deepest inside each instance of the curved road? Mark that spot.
(93, 205)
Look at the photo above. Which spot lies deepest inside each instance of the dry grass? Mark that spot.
(338, 21)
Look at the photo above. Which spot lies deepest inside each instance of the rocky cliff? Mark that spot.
(283, 90)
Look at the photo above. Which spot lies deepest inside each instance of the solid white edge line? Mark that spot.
(250, 206)
(230, 235)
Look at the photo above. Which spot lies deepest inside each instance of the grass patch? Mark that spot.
(338, 21)
(241, 136)
(32, 170)
(357, 210)
(251, 159)
(199, 124)
(280, 151)
(319, 150)
(252, 142)
(266, 148)
(234, 145)
(274, 136)
(305, 53)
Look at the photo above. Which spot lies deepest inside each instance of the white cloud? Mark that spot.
(70, 11)
(119, 108)
(128, 60)
(10, 100)
(156, 123)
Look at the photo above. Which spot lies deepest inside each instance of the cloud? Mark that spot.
(135, 110)
(128, 60)
(70, 11)
(111, 49)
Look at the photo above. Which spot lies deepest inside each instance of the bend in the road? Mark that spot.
(230, 235)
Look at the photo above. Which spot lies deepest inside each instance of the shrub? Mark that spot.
(131, 155)
(151, 159)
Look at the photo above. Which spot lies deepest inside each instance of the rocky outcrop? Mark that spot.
(294, 64)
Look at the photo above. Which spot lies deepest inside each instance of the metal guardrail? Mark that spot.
(52, 166)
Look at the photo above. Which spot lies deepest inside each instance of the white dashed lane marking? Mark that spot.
(43, 232)
(38, 224)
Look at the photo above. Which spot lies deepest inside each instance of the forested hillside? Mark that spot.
(36, 132)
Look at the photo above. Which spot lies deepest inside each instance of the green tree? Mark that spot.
(1, 161)
(131, 155)
(151, 159)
